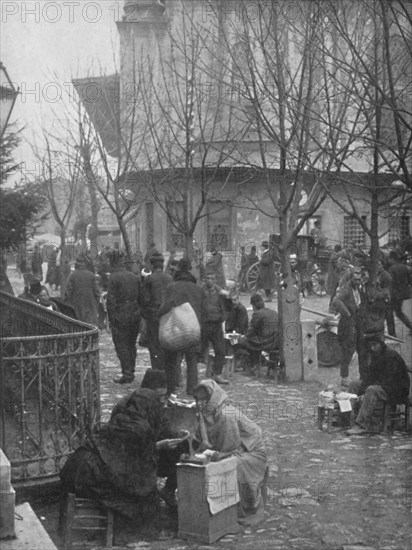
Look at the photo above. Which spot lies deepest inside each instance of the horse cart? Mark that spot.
(312, 263)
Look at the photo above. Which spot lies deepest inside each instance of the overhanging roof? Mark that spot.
(100, 96)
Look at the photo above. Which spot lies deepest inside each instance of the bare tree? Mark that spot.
(373, 68)
(187, 140)
(274, 68)
(61, 177)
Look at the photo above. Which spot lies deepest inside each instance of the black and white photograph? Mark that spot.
(212, 199)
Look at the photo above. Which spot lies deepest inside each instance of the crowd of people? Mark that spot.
(135, 301)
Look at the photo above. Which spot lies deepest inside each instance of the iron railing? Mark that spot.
(50, 388)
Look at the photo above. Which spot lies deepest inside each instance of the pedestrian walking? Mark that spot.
(152, 297)
(124, 314)
(183, 289)
(82, 293)
(401, 289)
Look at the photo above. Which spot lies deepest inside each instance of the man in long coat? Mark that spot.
(152, 297)
(82, 293)
(124, 315)
(183, 289)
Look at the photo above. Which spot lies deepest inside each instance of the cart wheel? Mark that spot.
(319, 282)
(251, 276)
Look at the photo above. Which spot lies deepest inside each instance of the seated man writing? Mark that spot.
(263, 332)
(387, 381)
(224, 429)
(120, 464)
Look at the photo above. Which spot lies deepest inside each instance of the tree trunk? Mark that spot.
(126, 240)
(289, 320)
(64, 262)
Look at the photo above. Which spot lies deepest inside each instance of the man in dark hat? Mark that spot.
(183, 289)
(124, 315)
(152, 296)
(387, 382)
(32, 291)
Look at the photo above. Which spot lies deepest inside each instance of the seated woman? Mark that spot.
(226, 430)
(119, 465)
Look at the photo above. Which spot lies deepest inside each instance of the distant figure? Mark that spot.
(401, 289)
(215, 265)
(244, 266)
(82, 293)
(319, 239)
(266, 279)
(37, 263)
(252, 256)
(151, 252)
(52, 275)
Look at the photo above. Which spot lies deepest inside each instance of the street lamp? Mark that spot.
(8, 98)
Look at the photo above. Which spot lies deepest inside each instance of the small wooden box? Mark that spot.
(196, 523)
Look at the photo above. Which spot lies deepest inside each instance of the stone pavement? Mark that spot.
(326, 491)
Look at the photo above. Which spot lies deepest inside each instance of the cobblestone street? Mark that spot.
(326, 491)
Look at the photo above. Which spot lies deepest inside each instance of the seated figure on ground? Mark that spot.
(387, 381)
(120, 464)
(263, 332)
(224, 429)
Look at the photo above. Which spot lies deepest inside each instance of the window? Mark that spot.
(352, 231)
(219, 226)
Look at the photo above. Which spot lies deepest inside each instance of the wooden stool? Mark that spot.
(77, 514)
(391, 412)
(272, 361)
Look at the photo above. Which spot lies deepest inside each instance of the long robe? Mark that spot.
(119, 465)
(230, 432)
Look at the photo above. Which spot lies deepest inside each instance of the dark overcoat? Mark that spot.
(83, 295)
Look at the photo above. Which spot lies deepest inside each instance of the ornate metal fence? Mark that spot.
(50, 393)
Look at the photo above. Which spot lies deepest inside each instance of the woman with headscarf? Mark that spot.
(226, 430)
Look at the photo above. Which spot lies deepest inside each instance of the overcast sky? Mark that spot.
(44, 44)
